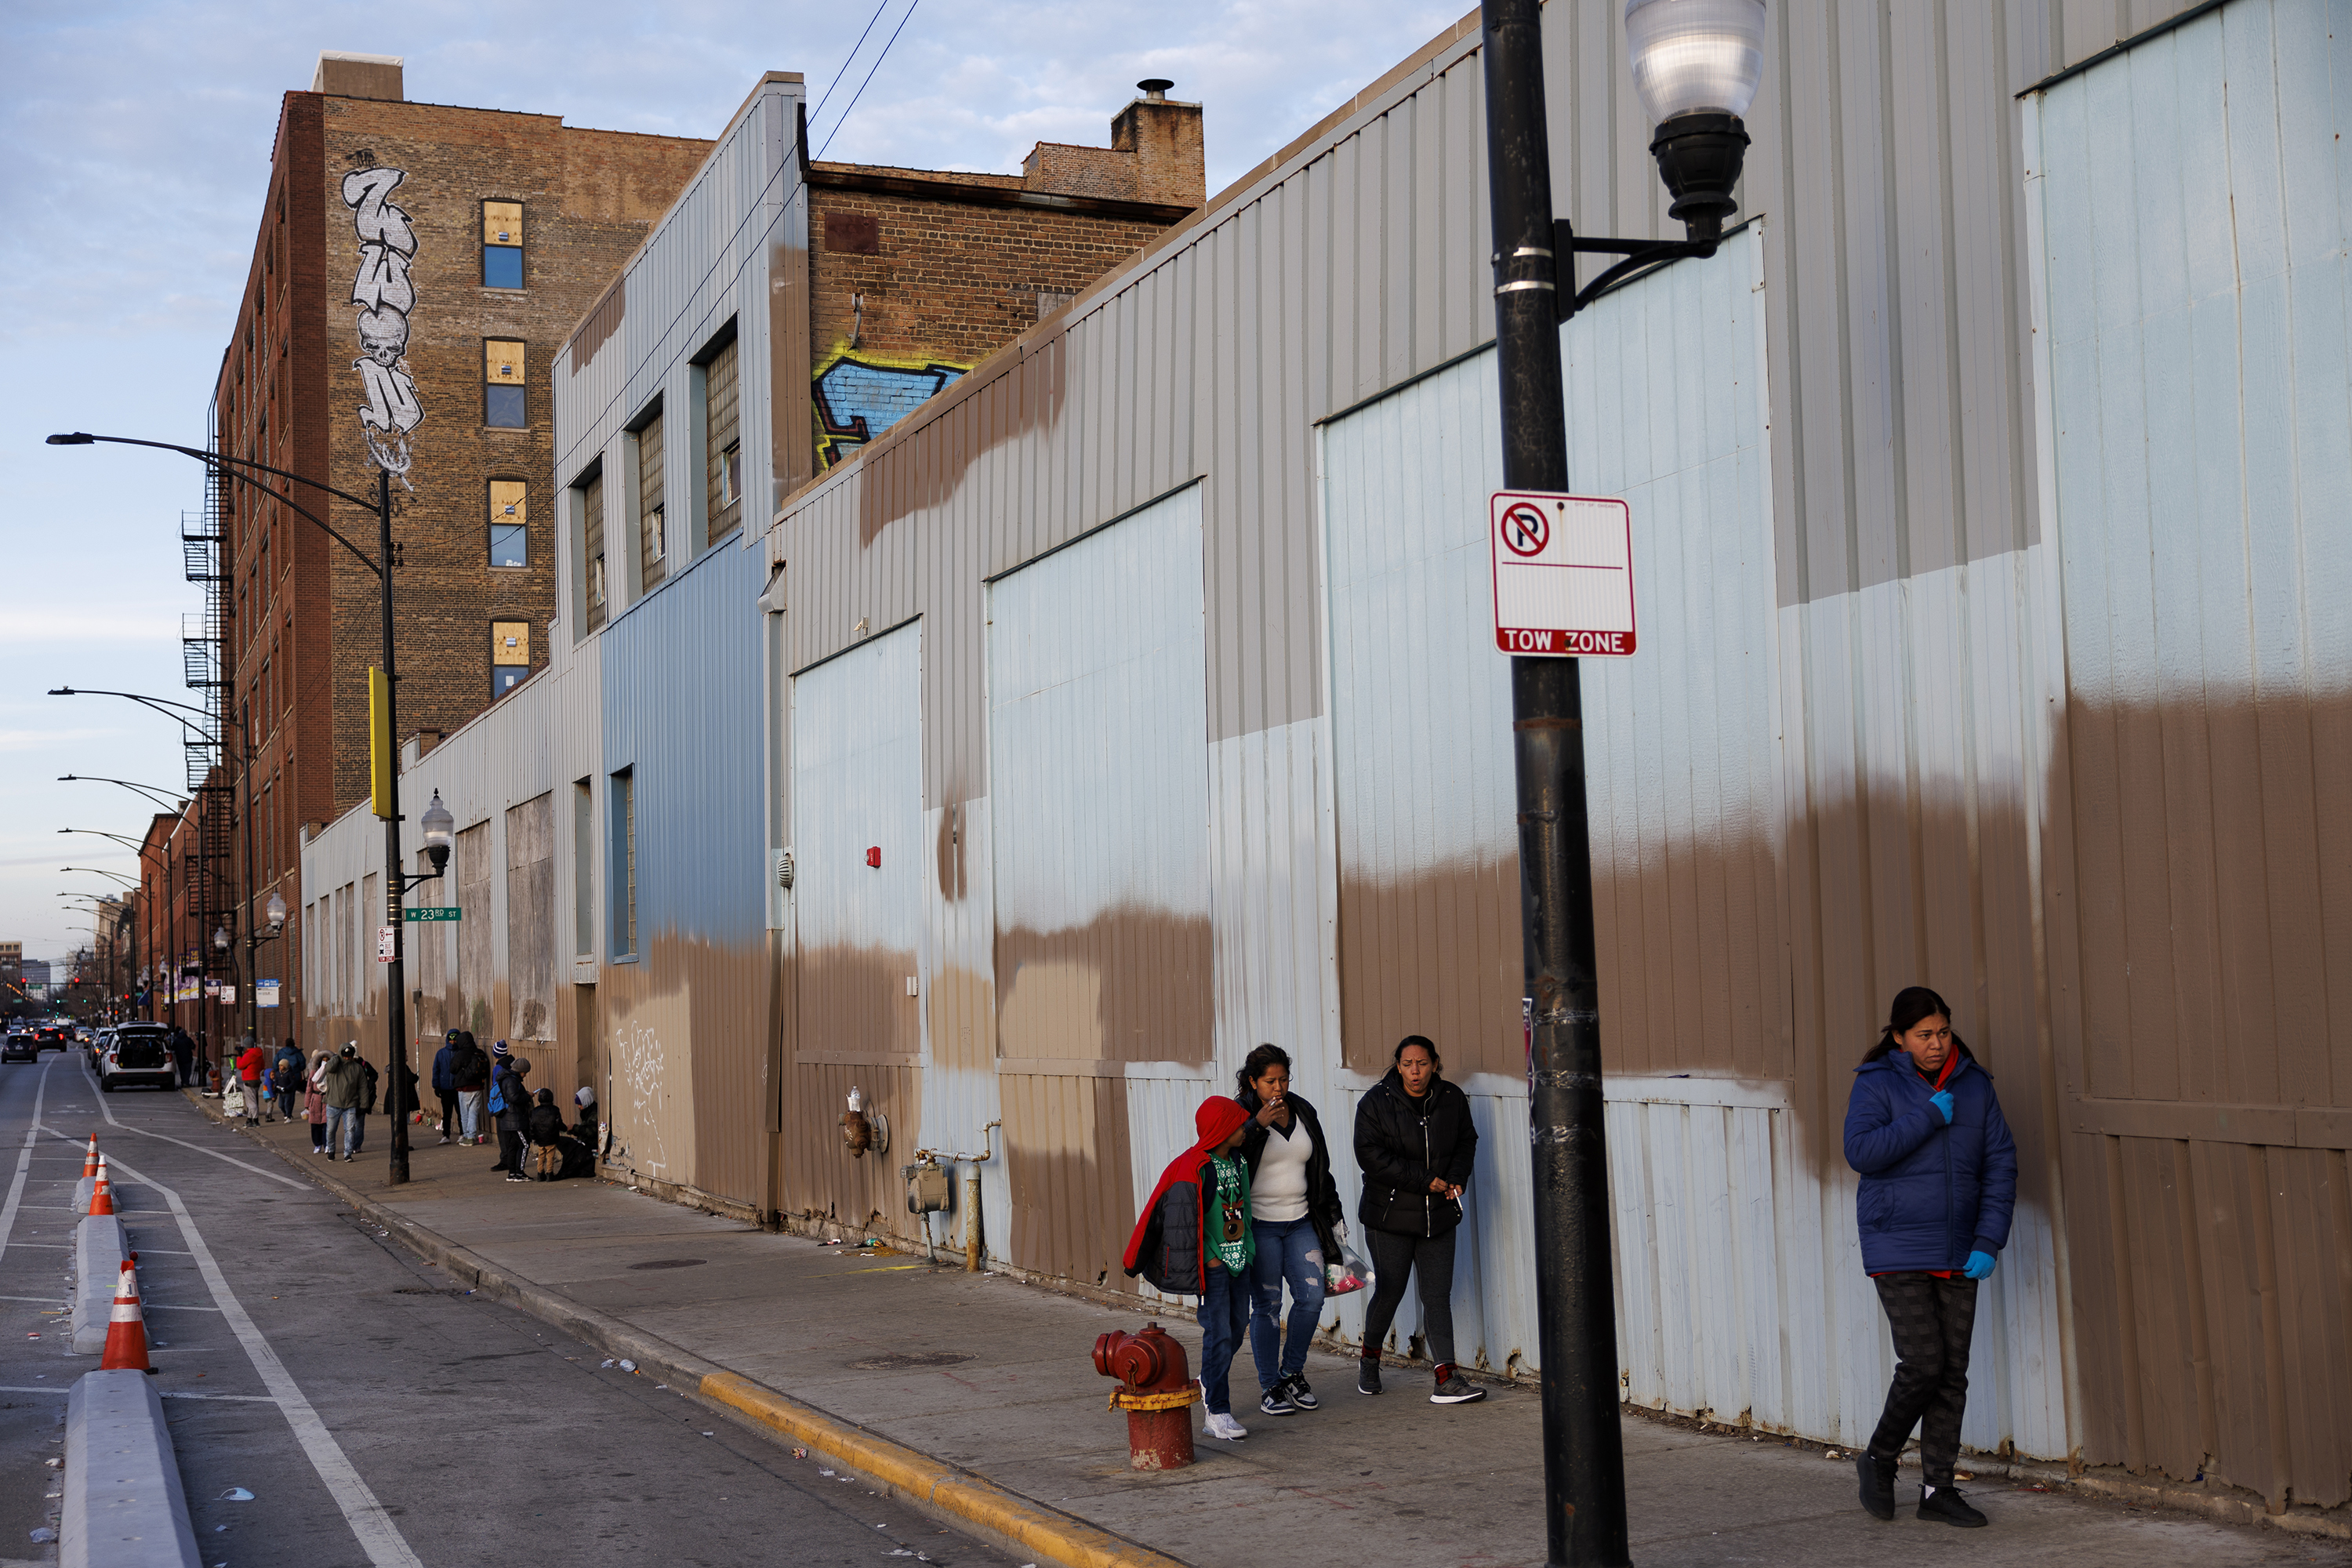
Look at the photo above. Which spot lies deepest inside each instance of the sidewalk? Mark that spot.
(977, 1397)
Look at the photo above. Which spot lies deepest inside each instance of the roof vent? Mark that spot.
(1155, 89)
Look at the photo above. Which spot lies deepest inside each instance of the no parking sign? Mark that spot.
(1563, 574)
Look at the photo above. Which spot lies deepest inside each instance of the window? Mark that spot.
(503, 397)
(583, 869)
(592, 506)
(509, 536)
(509, 656)
(501, 245)
(652, 544)
(624, 799)
(722, 446)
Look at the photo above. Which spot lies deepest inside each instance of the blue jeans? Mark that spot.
(1225, 1320)
(342, 1127)
(1288, 1253)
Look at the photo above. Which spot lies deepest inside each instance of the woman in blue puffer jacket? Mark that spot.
(1938, 1181)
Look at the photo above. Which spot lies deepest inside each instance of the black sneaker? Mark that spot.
(1367, 1377)
(1454, 1389)
(1301, 1395)
(1946, 1504)
(1278, 1400)
(1877, 1484)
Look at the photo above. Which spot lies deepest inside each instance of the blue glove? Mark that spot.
(1980, 1265)
(1942, 1100)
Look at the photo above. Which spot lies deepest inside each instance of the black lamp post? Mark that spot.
(1697, 65)
(242, 470)
(141, 849)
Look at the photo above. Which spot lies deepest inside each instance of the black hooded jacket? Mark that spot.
(1402, 1144)
(1324, 1205)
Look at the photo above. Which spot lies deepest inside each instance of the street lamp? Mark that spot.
(242, 472)
(96, 872)
(275, 912)
(439, 835)
(1697, 65)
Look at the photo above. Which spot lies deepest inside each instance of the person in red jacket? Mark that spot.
(248, 1068)
(1195, 1238)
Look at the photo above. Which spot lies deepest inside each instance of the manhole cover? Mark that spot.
(900, 1360)
(671, 1263)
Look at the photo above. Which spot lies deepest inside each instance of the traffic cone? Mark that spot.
(89, 1161)
(102, 1194)
(126, 1331)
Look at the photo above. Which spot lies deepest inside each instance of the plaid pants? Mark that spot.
(1932, 1320)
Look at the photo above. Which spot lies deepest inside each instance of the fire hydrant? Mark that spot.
(1156, 1390)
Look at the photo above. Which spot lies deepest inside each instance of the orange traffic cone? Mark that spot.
(89, 1161)
(102, 1194)
(126, 1331)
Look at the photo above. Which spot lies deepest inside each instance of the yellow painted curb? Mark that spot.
(1058, 1535)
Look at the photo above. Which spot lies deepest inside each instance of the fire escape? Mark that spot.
(204, 545)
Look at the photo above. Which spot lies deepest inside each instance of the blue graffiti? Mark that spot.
(857, 400)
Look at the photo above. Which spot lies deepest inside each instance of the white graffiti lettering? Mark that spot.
(385, 294)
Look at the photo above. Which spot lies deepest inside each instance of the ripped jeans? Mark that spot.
(1288, 1253)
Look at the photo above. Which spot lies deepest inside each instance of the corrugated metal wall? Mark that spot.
(2192, 252)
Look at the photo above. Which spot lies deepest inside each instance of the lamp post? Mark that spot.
(140, 911)
(170, 806)
(242, 470)
(1697, 65)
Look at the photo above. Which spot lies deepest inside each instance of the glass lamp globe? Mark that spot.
(275, 911)
(438, 835)
(1695, 57)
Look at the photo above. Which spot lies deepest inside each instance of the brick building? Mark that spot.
(416, 267)
(916, 276)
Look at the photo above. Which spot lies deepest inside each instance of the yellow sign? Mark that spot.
(380, 751)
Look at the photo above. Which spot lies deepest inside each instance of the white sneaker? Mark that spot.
(1226, 1428)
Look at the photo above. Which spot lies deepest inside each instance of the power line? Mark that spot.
(843, 70)
(869, 77)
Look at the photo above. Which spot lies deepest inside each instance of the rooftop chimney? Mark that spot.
(1165, 137)
(342, 75)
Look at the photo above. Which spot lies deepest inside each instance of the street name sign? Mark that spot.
(1563, 574)
(432, 912)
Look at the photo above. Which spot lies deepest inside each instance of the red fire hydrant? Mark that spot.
(1156, 1390)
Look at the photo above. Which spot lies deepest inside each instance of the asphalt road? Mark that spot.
(377, 1413)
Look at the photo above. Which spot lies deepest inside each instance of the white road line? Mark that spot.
(62, 1390)
(24, 1162)
(378, 1536)
(111, 1121)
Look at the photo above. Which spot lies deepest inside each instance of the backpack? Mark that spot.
(497, 1101)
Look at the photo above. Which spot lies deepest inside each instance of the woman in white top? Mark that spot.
(1296, 1220)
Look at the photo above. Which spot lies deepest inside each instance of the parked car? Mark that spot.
(20, 1047)
(136, 1054)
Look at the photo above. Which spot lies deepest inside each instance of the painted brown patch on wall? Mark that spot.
(855, 999)
(911, 469)
(949, 852)
(1129, 986)
(962, 1009)
(852, 234)
(1065, 1142)
(601, 323)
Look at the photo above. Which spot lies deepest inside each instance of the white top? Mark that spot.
(1278, 1191)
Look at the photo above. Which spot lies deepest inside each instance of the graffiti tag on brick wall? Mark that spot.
(386, 296)
(859, 396)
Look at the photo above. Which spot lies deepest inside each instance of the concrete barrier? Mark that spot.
(125, 1506)
(82, 1190)
(99, 1248)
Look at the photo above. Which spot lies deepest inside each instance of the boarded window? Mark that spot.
(501, 245)
(474, 955)
(652, 543)
(596, 587)
(509, 524)
(509, 656)
(530, 917)
(624, 857)
(505, 389)
(722, 446)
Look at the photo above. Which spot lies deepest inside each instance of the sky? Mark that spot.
(139, 139)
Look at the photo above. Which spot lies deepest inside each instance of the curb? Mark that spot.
(947, 1492)
(131, 1511)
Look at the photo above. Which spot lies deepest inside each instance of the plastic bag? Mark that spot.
(1350, 1274)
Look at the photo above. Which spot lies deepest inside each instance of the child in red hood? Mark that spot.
(1177, 1252)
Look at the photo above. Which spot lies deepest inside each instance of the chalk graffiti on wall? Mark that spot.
(859, 395)
(386, 296)
(637, 1061)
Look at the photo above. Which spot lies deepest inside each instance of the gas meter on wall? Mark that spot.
(929, 1190)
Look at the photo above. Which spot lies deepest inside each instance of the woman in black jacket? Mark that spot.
(1296, 1215)
(1415, 1144)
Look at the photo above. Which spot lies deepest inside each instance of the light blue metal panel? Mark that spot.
(682, 690)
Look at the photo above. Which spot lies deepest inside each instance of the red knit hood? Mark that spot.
(1218, 1117)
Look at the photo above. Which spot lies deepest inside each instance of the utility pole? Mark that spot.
(395, 994)
(1584, 1461)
